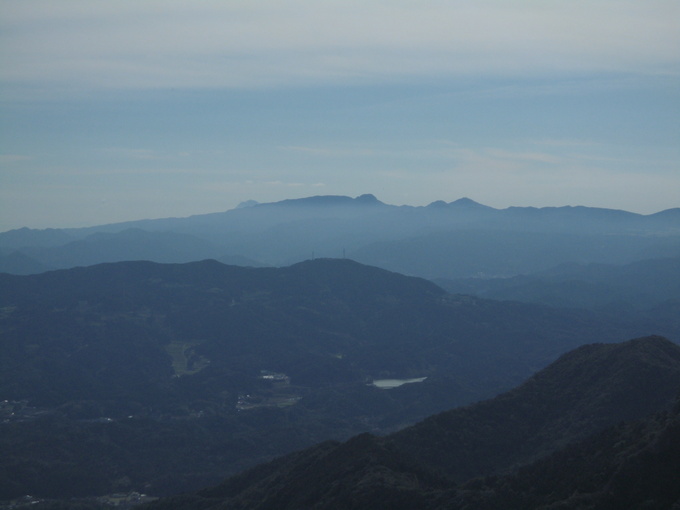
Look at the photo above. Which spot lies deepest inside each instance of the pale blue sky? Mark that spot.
(112, 111)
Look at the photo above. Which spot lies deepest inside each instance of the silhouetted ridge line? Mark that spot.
(459, 239)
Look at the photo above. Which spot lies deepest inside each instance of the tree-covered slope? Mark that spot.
(584, 390)
(167, 377)
(627, 466)
(583, 395)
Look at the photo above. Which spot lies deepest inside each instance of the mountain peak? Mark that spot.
(466, 202)
(317, 200)
(367, 199)
(332, 200)
(247, 203)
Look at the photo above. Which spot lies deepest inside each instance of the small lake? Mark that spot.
(388, 384)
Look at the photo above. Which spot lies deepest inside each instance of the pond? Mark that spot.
(388, 384)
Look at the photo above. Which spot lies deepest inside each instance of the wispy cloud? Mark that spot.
(426, 149)
(564, 142)
(143, 154)
(176, 43)
(328, 151)
(529, 157)
(6, 159)
(284, 184)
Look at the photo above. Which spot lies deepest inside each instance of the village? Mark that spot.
(19, 410)
(278, 394)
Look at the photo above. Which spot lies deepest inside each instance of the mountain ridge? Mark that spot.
(9, 237)
(457, 239)
(607, 383)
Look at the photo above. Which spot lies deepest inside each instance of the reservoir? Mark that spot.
(388, 384)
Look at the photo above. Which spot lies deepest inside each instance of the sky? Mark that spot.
(115, 111)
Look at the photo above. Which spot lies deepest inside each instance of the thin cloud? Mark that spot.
(7, 159)
(314, 151)
(143, 154)
(84, 44)
(284, 184)
(329, 151)
(565, 142)
(533, 157)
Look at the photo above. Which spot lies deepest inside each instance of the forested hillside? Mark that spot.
(569, 415)
(168, 377)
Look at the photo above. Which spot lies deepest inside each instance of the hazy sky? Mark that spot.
(121, 110)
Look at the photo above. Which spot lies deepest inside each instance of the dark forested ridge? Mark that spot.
(443, 240)
(584, 390)
(569, 414)
(168, 377)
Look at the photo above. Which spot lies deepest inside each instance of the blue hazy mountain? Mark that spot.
(442, 240)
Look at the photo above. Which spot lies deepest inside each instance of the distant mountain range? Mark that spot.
(169, 377)
(442, 240)
(557, 441)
